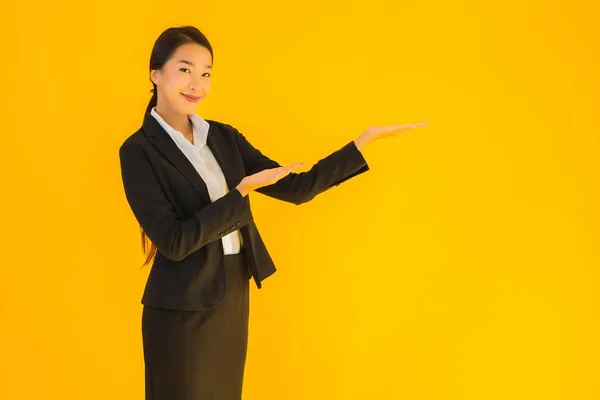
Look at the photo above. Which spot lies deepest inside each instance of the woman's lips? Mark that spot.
(193, 99)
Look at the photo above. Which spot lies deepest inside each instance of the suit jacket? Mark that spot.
(171, 203)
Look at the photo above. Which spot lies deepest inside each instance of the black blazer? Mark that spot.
(171, 203)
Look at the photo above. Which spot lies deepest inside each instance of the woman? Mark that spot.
(187, 181)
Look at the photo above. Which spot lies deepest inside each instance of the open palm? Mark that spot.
(378, 132)
(269, 176)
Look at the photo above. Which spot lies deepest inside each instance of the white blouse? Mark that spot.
(207, 166)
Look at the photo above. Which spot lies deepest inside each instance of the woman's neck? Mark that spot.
(177, 121)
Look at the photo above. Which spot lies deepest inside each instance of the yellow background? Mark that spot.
(464, 265)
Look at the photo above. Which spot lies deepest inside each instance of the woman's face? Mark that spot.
(187, 72)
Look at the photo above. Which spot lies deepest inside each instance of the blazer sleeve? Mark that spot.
(174, 237)
(301, 187)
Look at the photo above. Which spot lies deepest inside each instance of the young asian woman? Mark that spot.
(187, 180)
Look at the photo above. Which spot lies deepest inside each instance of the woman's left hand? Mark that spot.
(379, 132)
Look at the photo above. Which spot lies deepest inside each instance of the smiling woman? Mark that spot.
(187, 182)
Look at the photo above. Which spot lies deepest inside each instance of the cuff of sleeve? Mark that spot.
(357, 153)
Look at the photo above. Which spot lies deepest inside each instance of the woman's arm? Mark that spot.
(174, 237)
(301, 187)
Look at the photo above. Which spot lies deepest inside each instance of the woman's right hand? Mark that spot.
(265, 177)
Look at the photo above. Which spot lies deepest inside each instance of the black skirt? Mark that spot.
(199, 355)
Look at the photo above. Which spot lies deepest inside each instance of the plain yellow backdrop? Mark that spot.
(463, 265)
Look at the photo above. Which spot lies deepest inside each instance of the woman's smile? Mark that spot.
(193, 99)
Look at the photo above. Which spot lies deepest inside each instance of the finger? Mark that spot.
(415, 125)
(392, 128)
(295, 165)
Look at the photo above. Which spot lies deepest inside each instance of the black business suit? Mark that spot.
(171, 202)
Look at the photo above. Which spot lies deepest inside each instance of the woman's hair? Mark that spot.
(163, 49)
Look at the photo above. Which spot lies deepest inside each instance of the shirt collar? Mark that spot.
(200, 129)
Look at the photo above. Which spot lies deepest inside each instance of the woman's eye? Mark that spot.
(185, 69)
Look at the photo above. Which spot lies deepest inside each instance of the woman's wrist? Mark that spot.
(362, 140)
(243, 189)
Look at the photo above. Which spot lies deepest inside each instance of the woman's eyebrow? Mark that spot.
(191, 63)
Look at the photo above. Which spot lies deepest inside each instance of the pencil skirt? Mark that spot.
(199, 355)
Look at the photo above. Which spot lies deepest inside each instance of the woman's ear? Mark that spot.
(155, 76)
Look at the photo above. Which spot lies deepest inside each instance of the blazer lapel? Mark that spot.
(218, 146)
(163, 142)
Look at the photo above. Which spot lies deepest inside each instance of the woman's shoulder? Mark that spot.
(136, 138)
(224, 128)
(220, 124)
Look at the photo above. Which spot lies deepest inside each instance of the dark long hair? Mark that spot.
(163, 49)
